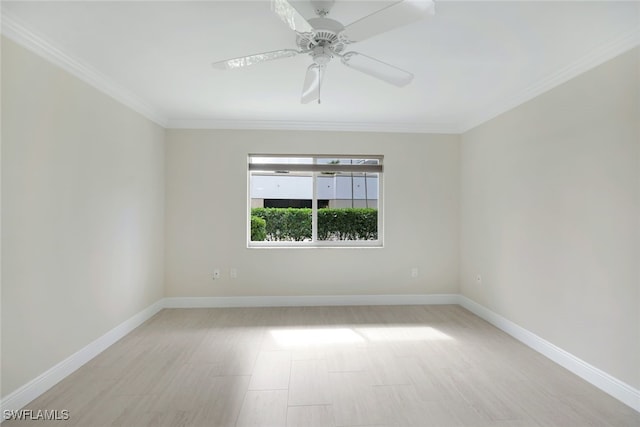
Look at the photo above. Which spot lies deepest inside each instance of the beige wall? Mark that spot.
(543, 201)
(82, 218)
(550, 216)
(206, 210)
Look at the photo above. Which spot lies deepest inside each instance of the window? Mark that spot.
(315, 200)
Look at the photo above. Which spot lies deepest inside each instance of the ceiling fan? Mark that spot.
(324, 38)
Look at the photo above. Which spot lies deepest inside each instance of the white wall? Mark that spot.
(206, 211)
(550, 216)
(82, 219)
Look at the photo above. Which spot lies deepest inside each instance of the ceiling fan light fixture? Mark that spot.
(321, 55)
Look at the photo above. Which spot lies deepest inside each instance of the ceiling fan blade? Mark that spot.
(291, 16)
(312, 82)
(378, 69)
(396, 15)
(245, 61)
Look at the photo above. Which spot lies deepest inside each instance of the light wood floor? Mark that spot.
(325, 366)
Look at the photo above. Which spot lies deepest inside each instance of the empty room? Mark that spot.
(311, 213)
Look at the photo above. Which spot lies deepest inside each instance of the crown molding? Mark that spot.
(445, 128)
(19, 33)
(13, 29)
(16, 31)
(617, 46)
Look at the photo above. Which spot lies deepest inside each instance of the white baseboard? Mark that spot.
(614, 387)
(628, 395)
(309, 301)
(34, 388)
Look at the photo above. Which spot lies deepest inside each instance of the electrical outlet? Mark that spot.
(414, 272)
(216, 274)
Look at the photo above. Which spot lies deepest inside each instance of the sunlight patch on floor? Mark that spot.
(315, 336)
(401, 333)
(325, 336)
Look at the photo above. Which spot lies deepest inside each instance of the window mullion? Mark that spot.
(314, 209)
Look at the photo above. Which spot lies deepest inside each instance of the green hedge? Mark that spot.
(293, 224)
(285, 223)
(348, 224)
(258, 229)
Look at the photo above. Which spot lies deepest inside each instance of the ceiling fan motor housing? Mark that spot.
(326, 33)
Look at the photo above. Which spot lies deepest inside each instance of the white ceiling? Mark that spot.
(471, 61)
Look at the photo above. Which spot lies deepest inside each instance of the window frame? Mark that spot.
(315, 243)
